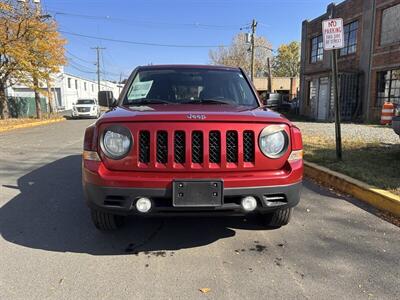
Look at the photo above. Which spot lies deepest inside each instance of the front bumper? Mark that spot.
(91, 114)
(122, 200)
(117, 192)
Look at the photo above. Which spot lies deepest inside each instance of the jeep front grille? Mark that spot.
(196, 147)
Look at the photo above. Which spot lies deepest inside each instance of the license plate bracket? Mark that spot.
(197, 193)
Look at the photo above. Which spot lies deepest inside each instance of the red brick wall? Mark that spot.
(350, 11)
(385, 57)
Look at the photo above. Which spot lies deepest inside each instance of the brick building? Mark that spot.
(369, 65)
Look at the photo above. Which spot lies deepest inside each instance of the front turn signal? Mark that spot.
(296, 155)
(90, 155)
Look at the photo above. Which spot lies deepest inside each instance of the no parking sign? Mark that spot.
(333, 33)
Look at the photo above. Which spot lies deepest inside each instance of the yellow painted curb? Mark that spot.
(378, 198)
(33, 124)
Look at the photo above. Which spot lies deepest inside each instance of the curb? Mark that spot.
(378, 198)
(33, 124)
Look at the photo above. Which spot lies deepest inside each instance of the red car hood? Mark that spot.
(191, 113)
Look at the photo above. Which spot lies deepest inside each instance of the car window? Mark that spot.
(85, 101)
(191, 86)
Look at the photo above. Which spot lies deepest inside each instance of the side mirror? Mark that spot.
(106, 98)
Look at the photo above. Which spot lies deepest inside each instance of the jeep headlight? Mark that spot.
(273, 141)
(116, 142)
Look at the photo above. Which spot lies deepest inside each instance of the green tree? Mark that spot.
(287, 61)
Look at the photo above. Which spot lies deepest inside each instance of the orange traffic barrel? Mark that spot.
(387, 113)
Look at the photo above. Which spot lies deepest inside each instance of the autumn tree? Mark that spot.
(30, 49)
(287, 61)
(238, 54)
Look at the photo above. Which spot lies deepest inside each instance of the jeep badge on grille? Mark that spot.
(196, 117)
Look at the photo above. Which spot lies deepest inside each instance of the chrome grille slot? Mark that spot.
(144, 147)
(179, 147)
(197, 147)
(162, 147)
(248, 146)
(215, 147)
(232, 146)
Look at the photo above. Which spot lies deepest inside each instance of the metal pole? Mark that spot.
(98, 66)
(269, 75)
(253, 33)
(335, 82)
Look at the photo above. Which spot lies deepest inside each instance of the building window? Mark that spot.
(69, 83)
(388, 84)
(76, 84)
(92, 87)
(84, 85)
(390, 32)
(317, 50)
(350, 39)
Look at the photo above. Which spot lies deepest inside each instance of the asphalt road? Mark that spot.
(334, 247)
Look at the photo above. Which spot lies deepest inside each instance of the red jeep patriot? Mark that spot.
(190, 140)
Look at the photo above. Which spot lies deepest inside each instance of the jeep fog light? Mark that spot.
(143, 205)
(249, 203)
(295, 155)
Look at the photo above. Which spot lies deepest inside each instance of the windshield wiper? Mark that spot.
(150, 101)
(207, 101)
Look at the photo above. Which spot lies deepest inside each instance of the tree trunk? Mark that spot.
(4, 113)
(50, 98)
(37, 99)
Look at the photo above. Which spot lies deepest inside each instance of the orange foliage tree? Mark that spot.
(31, 50)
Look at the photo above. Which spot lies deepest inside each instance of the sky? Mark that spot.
(200, 23)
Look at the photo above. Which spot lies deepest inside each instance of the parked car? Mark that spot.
(85, 108)
(271, 100)
(396, 121)
(184, 140)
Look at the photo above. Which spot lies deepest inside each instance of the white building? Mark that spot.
(67, 89)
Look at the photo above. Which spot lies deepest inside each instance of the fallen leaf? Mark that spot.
(205, 290)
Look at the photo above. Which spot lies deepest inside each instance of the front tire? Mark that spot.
(106, 221)
(278, 218)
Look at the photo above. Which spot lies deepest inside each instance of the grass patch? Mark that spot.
(11, 123)
(374, 163)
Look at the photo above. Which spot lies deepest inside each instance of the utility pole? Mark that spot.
(98, 65)
(253, 48)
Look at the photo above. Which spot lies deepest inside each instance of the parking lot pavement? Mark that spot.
(334, 247)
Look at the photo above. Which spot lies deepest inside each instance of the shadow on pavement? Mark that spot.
(50, 214)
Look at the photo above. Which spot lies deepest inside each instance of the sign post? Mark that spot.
(333, 35)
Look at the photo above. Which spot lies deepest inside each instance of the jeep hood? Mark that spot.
(191, 113)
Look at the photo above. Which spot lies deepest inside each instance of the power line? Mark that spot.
(139, 43)
(197, 25)
(77, 57)
(80, 70)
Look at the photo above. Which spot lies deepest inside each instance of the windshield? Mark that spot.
(85, 101)
(190, 86)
